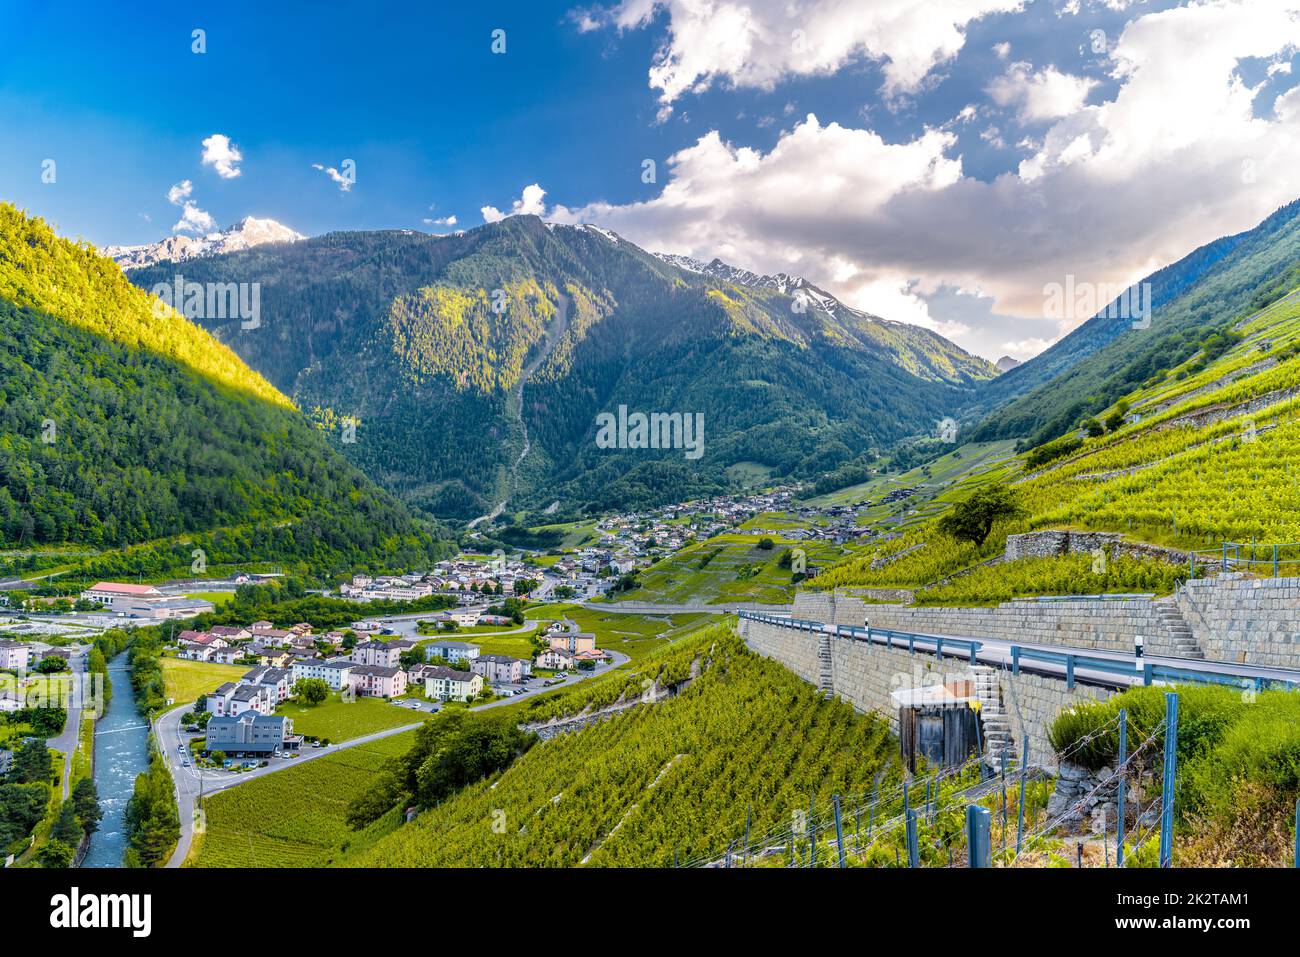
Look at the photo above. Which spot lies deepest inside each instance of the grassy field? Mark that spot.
(186, 680)
(290, 818)
(339, 720)
(45, 690)
(218, 598)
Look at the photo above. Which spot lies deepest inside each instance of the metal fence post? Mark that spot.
(1024, 762)
(812, 835)
(1123, 757)
(839, 830)
(977, 835)
(913, 846)
(1171, 776)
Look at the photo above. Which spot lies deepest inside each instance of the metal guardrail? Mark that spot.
(1071, 661)
(1115, 596)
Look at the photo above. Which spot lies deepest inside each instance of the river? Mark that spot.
(121, 753)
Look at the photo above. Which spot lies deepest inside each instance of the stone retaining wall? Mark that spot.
(1108, 624)
(865, 675)
(1053, 542)
(1237, 618)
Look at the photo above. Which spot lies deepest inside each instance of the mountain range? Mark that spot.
(474, 366)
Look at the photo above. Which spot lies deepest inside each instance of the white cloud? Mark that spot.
(222, 155)
(193, 219)
(1025, 348)
(181, 191)
(440, 221)
(344, 180)
(531, 203)
(1110, 192)
(762, 42)
(1043, 95)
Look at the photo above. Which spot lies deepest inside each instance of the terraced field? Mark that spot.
(1208, 452)
(728, 567)
(289, 819)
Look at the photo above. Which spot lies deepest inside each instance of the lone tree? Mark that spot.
(972, 520)
(310, 691)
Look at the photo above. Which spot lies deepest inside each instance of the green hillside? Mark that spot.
(1214, 287)
(136, 435)
(1208, 452)
(446, 348)
(679, 777)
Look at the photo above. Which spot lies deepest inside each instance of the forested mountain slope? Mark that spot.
(1207, 452)
(1217, 284)
(424, 339)
(122, 424)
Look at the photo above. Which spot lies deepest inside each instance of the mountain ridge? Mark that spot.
(392, 326)
(244, 234)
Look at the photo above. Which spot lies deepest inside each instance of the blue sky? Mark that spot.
(931, 169)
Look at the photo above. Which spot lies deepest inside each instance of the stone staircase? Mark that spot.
(998, 742)
(1184, 642)
(825, 674)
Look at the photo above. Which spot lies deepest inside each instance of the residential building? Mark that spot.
(278, 680)
(455, 652)
(385, 654)
(234, 699)
(14, 655)
(573, 641)
(495, 668)
(557, 659)
(377, 681)
(447, 684)
(231, 633)
(251, 733)
(334, 673)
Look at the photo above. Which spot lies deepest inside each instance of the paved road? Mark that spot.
(997, 652)
(651, 608)
(190, 781)
(66, 740)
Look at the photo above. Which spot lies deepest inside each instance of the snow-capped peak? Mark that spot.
(245, 234)
(781, 282)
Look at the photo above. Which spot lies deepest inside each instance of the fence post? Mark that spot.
(913, 846)
(1275, 559)
(812, 835)
(1069, 672)
(1171, 776)
(748, 813)
(1123, 756)
(839, 830)
(1224, 565)
(977, 835)
(1015, 660)
(1024, 762)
